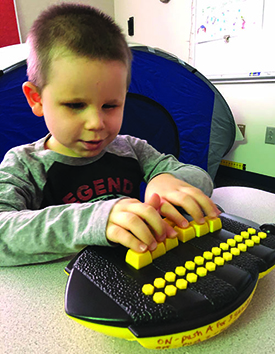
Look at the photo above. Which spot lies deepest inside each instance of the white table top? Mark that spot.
(33, 320)
(249, 203)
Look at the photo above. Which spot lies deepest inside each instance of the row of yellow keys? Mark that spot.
(200, 266)
(140, 260)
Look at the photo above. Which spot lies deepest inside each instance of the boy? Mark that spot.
(79, 185)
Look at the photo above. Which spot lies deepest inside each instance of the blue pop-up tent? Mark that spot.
(169, 103)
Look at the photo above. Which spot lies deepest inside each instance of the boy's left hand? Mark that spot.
(173, 191)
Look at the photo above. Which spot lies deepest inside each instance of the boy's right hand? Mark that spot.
(138, 225)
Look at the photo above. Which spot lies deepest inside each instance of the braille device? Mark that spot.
(186, 291)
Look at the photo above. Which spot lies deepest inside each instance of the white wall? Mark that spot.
(253, 105)
(28, 10)
(168, 26)
(164, 26)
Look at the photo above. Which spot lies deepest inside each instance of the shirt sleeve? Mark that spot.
(154, 163)
(29, 235)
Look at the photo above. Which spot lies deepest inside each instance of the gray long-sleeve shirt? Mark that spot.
(52, 205)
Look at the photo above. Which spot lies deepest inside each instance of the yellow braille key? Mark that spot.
(210, 266)
(231, 242)
(159, 251)
(256, 239)
(180, 271)
(262, 235)
(159, 297)
(191, 277)
(199, 260)
(238, 238)
(251, 231)
(200, 229)
(170, 277)
(208, 255)
(138, 260)
(224, 246)
(190, 265)
(214, 224)
(235, 251)
(227, 256)
(201, 271)
(148, 289)
(170, 290)
(219, 261)
(159, 283)
(181, 284)
(171, 243)
(216, 251)
(249, 243)
(186, 234)
(242, 247)
(245, 234)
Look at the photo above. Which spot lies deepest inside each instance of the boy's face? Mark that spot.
(83, 104)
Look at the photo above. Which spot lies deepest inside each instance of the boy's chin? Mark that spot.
(84, 150)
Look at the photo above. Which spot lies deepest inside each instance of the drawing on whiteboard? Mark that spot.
(226, 38)
(201, 28)
(232, 17)
(238, 44)
(243, 22)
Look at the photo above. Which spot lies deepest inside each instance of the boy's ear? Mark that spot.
(33, 97)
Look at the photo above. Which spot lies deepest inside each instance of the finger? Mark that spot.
(170, 212)
(117, 234)
(195, 203)
(206, 205)
(154, 201)
(189, 204)
(133, 224)
(211, 209)
(150, 216)
(170, 231)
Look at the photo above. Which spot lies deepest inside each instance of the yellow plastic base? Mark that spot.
(263, 274)
(172, 340)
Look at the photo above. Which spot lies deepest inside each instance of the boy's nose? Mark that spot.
(94, 121)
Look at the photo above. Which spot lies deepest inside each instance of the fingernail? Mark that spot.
(153, 246)
(143, 248)
(184, 224)
(172, 234)
(161, 238)
(214, 214)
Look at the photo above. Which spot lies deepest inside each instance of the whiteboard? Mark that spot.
(235, 38)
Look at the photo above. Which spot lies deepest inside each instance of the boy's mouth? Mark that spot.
(92, 144)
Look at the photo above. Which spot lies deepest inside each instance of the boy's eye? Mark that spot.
(75, 106)
(109, 106)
